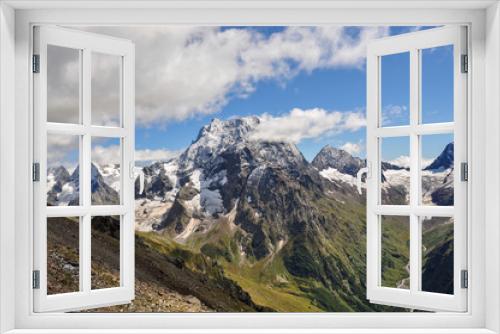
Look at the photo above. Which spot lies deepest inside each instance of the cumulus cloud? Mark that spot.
(156, 155)
(63, 94)
(62, 150)
(426, 161)
(186, 71)
(301, 124)
(352, 148)
(392, 113)
(401, 161)
(354, 121)
(104, 155)
(404, 161)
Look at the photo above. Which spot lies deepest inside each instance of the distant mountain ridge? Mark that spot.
(64, 189)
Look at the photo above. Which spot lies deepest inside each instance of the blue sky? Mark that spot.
(340, 88)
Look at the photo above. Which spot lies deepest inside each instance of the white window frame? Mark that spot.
(483, 19)
(87, 44)
(413, 43)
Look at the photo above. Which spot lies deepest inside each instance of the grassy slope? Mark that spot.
(437, 275)
(165, 281)
(395, 250)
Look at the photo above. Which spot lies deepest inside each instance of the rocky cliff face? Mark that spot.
(253, 204)
(331, 157)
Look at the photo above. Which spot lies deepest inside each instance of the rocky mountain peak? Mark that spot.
(235, 128)
(444, 160)
(233, 136)
(65, 190)
(59, 173)
(331, 157)
(216, 137)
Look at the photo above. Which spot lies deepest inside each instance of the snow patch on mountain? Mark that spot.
(51, 181)
(111, 175)
(194, 205)
(397, 177)
(433, 180)
(333, 175)
(209, 199)
(68, 193)
(148, 213)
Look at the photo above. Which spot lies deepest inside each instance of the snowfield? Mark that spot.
(333, 175)
(111, 175)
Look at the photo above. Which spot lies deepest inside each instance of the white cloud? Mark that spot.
(104, 155)
(392, 114)
(301, 124)
(352, 148)
(354, 121)
(155, 155)
(401, 161)
(426, 162)
(62, 150)
(394, 110)
(404, 161)
(62, 84)
(186, 71)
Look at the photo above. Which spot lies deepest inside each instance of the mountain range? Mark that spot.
(271, 230)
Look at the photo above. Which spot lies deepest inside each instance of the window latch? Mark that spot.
(365, 170)
(137, 172)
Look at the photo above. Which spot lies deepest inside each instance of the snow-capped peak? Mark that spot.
(217, 136)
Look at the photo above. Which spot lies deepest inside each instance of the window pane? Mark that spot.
(437, 169)
(395, 251)
(63, 254)
(437, 84)
(395, 89)
(63, 84)
(63, 177)
(105, 250)
(437, 255)
(106, 91)
(395, 170)
(106, 163)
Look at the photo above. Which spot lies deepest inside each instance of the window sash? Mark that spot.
(85, 298)
(414, 297)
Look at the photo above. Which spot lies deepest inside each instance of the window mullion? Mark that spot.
(414, 171)
(85, 175)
